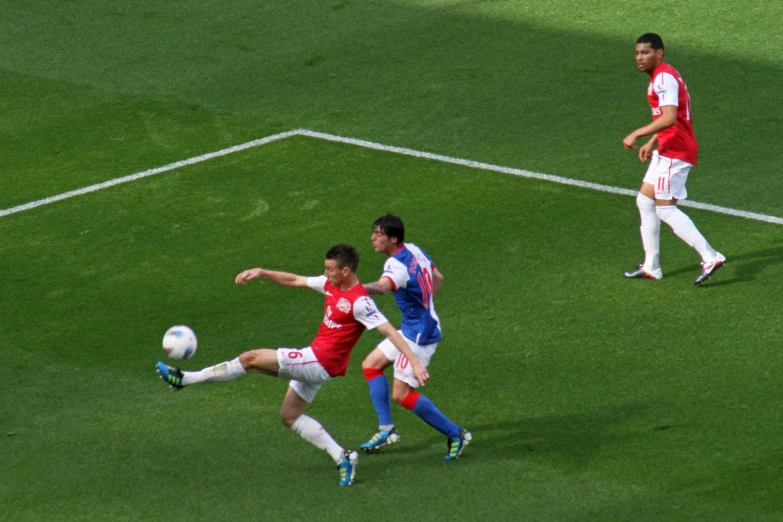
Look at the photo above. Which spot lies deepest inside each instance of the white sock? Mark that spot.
(386, 427)
(225, 371)
(311, 430)
(651, 232)
(684, 228)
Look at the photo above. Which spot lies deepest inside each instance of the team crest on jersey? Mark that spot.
(344, 305)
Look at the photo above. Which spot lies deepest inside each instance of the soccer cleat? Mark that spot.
(707, 269)
(171, 376)
(347, 467)
(641, 273)
(457, 445)
(381, 439)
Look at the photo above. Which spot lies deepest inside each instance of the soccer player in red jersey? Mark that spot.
(664, 183)
(348, 311)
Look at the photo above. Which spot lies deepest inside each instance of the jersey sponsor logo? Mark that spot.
(328, 322)
(657, 111)
(344, 305)
(412, 267)
(331, 324)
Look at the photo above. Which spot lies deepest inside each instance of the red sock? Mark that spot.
(372, 373)
(409, 401)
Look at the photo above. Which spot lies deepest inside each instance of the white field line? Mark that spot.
(147, 173)
(534, 175)
(385, 148)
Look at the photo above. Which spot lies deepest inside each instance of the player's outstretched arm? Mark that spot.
(419, 371)
(380, 287)
(281, 278)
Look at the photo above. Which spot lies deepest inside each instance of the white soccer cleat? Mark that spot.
(641, 273)
(707, 269)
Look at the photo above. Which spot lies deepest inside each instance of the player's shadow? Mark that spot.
(576, 438)
(742, 268)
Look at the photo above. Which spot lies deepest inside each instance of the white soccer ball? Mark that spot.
(180, 342)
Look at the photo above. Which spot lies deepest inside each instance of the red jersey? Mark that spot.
(667, 88)
(346, 315)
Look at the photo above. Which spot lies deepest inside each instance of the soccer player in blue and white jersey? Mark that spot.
(412, 276)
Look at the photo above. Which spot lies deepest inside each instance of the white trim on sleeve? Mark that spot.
(667, 88)
(317, 283)
(396, 272)
(366, 312)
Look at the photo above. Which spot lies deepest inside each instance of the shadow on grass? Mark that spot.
(743, 267)
(577, 438)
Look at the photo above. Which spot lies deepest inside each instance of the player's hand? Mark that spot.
(629, 143)
(247, 275)
(421, 374)
(645, 151)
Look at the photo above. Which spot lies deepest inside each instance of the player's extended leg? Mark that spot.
(409, 398)
(650, 229)
(672, 174)
(262, 360)
(373, 366)
(292, 415)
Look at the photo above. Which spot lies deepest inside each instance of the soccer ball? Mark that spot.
(180, 342)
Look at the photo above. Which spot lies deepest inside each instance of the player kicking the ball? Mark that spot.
(411, 275)
(664, 183)
(348, 311)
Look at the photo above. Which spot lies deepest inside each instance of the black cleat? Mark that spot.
(708, 269)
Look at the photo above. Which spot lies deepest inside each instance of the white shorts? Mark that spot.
(668, 176)
(306, 373)
(402, 369)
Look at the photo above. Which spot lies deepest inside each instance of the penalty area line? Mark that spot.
(146, 173)
(534, 175)
(384, 148)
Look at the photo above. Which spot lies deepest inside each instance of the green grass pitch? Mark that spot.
(590, 397)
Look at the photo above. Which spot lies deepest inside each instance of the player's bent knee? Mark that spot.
(401, 390)
(246, 359)
(254, 359)
(643, 202)
(250, 359)
(288, 418)
(399, 395)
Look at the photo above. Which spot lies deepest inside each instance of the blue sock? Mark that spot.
(432, 416)
(379, 393)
